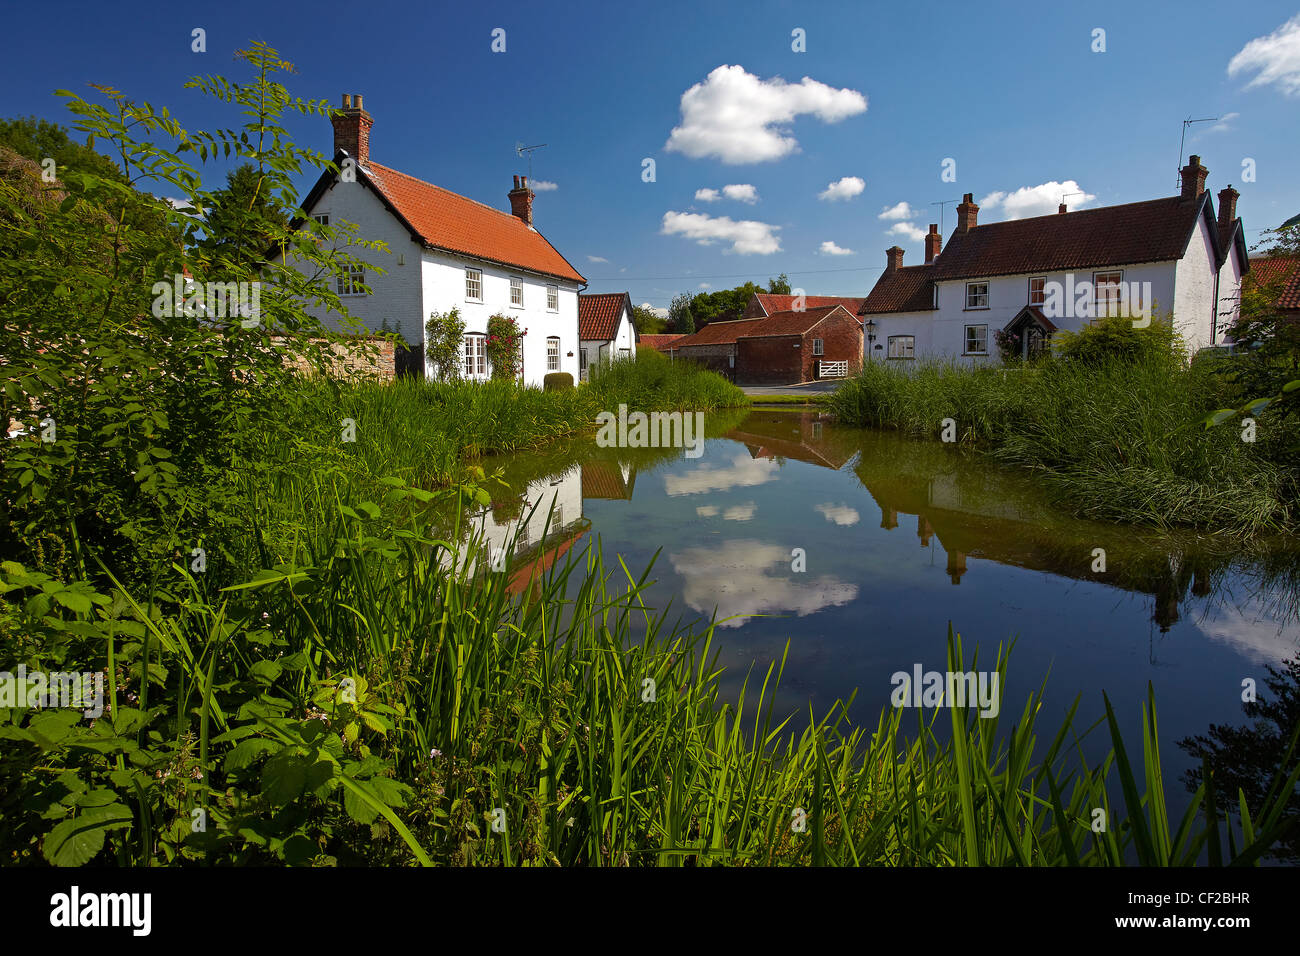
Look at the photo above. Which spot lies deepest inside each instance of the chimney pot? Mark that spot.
(352, 129)
(1193, 175)
(521, 200)
(933, 241)
(967, 213)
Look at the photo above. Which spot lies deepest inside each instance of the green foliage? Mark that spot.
(1116, 338)
(651, 381)
(505, 347)
(779, 286)
(1111, 440)
(557, 382)
(647, 322)
(679, 315)
(243, 221)
(444, 344)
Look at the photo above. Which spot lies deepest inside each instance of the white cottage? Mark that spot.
(1031, 277)
(605, 328)
(445, 252)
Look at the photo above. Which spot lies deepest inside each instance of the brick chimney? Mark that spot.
(1061, 210)
(1227, 208)
(352, 130)
(894, 256)
(967, 213)
(521, 200)
(932, 243)
(1193, 177)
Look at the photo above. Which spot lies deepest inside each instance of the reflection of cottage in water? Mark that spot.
(802, 436)
(957, 510)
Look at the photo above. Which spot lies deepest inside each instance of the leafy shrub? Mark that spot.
(557, 382)
(505, 346)
(1115, 337)
(444, 341)
(650, 381)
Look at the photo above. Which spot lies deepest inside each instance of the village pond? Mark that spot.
(858, 548)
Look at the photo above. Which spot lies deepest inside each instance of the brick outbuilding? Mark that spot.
(783, 348)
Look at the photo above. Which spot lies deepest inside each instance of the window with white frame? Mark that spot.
(552, 298)
(516, 292)
(1106, 292)
(1037, 290)
(977, 339)
(352, 282)
(474, 285)
(977, 295)
(475, 355)
(553, 354)
(819, 347)
(323, 219)
(902, 347)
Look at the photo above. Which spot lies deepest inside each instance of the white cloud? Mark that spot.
(828, 248)
(915, 233)
(707, 195)
(657, 310)
(744, 578)
(743, 472)
(741, 192)
(705, 285)
(543, 185)
(1276, 57)
(597, 259)
(840, 514)
(1224, 123)
(707, 511)
(1041, 200)
(622, 268)
(740, 512)
(736, 117)
(901, 211)
(845, 187)
(747, 237)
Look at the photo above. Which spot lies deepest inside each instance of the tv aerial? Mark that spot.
(520, 149)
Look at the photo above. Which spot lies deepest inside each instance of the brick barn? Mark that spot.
(780, 349)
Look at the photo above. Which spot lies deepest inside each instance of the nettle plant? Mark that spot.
(505, 347)
(152, 402)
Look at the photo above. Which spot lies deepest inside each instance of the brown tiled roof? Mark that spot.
(765, 303)
(715, 333)
(599, 313)
(1284, 271)
(659, 341)
(790, 322)
(779, 323)
(446, 220)
(601, 479)
(909, 289)
(1157, 230)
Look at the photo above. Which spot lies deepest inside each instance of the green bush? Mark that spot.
(557, 382)
(651, 381)
(1115, 337)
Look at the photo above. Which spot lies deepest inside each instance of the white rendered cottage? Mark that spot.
(445, 252)
(1031, 277)
(605, 328)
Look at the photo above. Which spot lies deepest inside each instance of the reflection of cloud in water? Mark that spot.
(1260, 639)
(744, 578)
(840, 514)
(740, 512)
(706, 511)
(743, 472)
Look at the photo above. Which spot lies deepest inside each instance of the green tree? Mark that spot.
(779, 286)
(646, 322)
(242, 221)
(444, 341)
(680, 318)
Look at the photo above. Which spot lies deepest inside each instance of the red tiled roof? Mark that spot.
(766, 303)
(446, 220)
(602, 479)
(599, 314)
(715, 333)
(909, 289)
(658, 341)
(1282, 271)
(1156, 230)
(779, 323)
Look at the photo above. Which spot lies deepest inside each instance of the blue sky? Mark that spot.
(1012, 91)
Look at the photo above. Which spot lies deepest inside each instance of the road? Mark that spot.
(812, 388)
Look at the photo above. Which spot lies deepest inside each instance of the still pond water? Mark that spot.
(901, 538)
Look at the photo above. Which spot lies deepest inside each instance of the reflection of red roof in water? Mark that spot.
(523, 576)
(604, 480)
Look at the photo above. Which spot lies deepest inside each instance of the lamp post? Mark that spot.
(871, 335)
